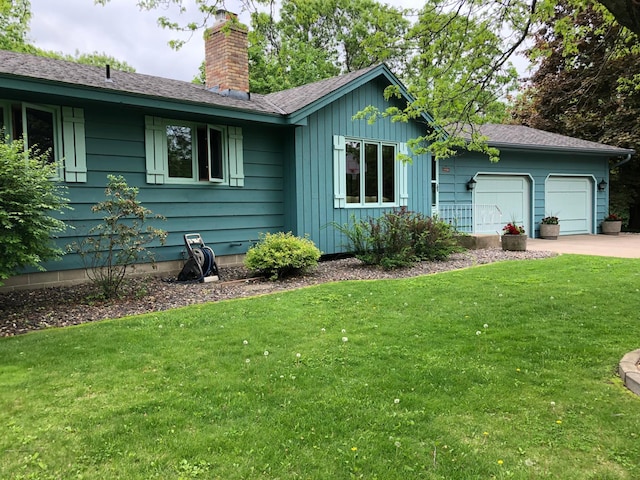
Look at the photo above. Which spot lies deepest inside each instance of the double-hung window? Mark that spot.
(57, 133)
(184, 152)
(368, 174)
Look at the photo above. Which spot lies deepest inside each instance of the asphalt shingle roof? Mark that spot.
(65, 72)
(294, 99)
(71, 73)
(520, 136)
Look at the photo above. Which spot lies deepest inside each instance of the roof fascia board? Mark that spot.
(587, 151)
(381, 70)
(127, 98)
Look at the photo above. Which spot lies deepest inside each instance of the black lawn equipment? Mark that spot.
(201, 264)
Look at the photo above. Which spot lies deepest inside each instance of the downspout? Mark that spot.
(622, 162)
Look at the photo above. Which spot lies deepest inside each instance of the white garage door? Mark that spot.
(571, 200)
(510, 193)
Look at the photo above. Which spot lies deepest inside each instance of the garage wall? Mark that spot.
(455, 172)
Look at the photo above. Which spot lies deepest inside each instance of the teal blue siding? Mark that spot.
(455, 172)
(314, 213)
(229, 219)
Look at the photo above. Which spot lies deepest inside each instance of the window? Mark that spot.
(55, 132)
(182, 152)
(366, 173)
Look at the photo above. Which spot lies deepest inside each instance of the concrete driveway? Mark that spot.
(625, 245)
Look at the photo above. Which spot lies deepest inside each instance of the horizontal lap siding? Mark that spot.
(228, 218)
(452, 183)
(315, 213)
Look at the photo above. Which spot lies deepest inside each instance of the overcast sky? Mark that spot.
(121, 30)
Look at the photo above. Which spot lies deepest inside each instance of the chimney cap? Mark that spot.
(223, 15)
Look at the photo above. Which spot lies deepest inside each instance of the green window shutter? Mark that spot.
(75, 152)
(402, 180)
(339, 172)
(236, 157)
(155, 147)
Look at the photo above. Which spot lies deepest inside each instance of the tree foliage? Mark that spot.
(590, 93)
(28, 198)
(14, 24)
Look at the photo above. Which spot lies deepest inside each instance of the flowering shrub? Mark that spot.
(612, 217)
(550, 220)
(513, 229)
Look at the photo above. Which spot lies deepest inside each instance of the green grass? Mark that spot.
(414, 392)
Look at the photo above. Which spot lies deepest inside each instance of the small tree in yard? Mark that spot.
(120, 241)
(27, 198)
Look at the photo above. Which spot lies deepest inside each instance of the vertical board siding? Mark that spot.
(314, 147)
(228, 218)
(539, 165)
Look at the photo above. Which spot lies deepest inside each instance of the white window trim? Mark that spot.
(340, 174)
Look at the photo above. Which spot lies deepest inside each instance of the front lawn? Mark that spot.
(500, 371)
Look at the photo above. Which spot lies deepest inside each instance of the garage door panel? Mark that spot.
(511, 194)
(570, 199)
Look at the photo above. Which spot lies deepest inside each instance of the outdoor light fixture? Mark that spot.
(471, 184)
(602, 185)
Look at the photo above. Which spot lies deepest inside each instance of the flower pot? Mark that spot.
(611, 227)
(549, 231)
(516, 243)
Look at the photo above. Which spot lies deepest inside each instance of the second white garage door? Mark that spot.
(571, 200)
(510, 193)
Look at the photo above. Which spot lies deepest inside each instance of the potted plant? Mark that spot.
(514, 237)
(612, 224)
(550, 227)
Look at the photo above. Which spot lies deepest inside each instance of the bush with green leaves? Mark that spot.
(28, 197)
(120, 241)
(281, 254)
(399, 239)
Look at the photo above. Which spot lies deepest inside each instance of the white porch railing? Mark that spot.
(468, 218)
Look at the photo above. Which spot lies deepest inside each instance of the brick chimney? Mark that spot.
(226, 56)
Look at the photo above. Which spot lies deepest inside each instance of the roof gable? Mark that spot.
(299, 102)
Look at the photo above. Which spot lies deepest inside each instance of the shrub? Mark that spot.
(399, 239)
(28, 196)
(120, 241)
(277, 255)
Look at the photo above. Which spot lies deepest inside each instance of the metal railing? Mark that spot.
(472, 218)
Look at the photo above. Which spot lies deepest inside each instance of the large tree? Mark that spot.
(589, 94)
(456, 58)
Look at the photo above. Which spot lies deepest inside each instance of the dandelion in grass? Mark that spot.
(486, 434)
(559, 422)
(344, 330)
(345, 339)
(247, 361)
(323, 330)
(266, 353)
(396, 401)
(486, 325)
(478, 332)
(354, 449)
(245, 342)
(500, 462)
